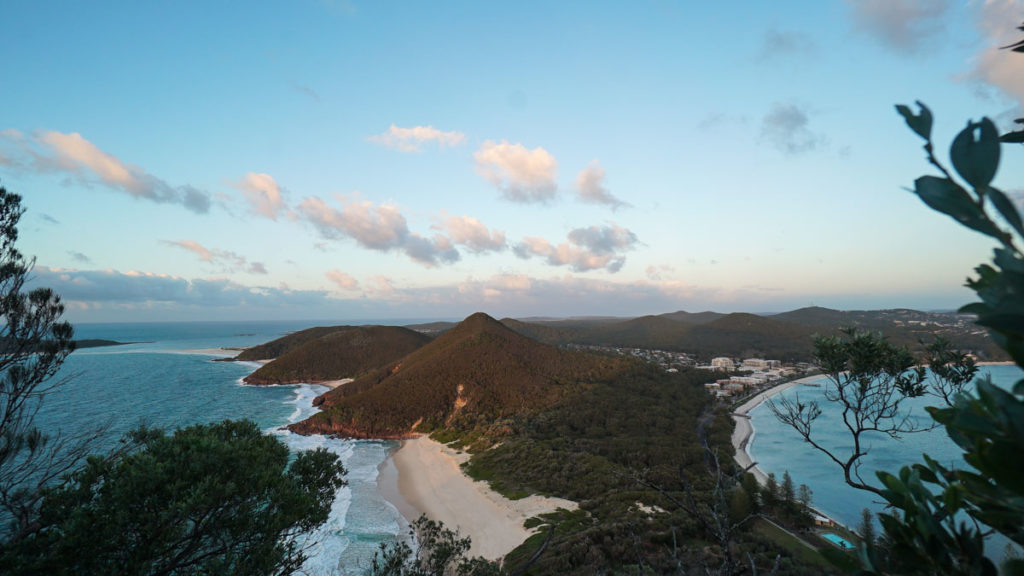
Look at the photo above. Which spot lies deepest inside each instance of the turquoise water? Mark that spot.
(777, 448)
(167, 380)
(837, 540)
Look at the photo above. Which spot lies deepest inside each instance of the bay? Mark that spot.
(167, 378)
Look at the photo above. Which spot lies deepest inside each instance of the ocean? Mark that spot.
(168, 379)
(777, 448)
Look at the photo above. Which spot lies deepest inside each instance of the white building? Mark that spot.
(723, 363)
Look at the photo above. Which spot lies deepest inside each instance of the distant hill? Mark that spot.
(692, 317)
(475, 373)
(786, 336)
(275, 348)
(346, 353)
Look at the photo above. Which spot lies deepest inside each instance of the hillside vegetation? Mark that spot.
(474, 374)
(785, 336)
(346, 353)
(284, 344)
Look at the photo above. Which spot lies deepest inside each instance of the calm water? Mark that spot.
(777, 448)
(164, 381)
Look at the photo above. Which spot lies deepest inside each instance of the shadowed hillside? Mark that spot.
(346, 353)
(475, 373)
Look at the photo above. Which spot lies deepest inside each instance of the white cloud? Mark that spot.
(1003, 69)
(471, 233)
(787, 128)
(591, 188)
(412, 139)
(226, 261)
(904, 26)
(138, 293)
(86, 164)
(376, 227)
(520, 174)
(263, 194)
(342, 280)
(592, 248)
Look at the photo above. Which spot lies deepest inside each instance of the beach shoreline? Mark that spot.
(425, 477)
(743, 433)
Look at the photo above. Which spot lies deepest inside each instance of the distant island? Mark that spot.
(9, 344)
(98, 343)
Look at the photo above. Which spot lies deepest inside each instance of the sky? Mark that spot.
(349, 160)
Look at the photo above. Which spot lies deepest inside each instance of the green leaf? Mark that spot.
(1013, 137)
(975, 153)
(919, 123)
(1008, 323)
(944, 195)
(1006, 208)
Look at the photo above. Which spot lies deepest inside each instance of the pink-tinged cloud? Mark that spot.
(224, 260)
(590, 187)
(86, 164)
(413, 139)
(342, 280)
(591, 248)
(520, 174)
(1002, 69)
(263, 194)
(376, 227)
(471, 233)
(901, 25)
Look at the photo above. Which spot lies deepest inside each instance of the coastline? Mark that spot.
(744, 431)
(425, 476)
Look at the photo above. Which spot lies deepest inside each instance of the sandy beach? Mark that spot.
(426, 478)
(743, 431)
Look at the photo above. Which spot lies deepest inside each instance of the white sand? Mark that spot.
(431, 481)
(743, 431)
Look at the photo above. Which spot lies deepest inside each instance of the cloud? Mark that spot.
(79, 257)
(226, 261)
(471, 233)
(136, 293)
(591, 188)
(521, 175)
(84, 163)
(262, 193)
(376, 227)
(656, 273)
(412, 139)
(904, 26)
(343, 280)
(997, 21)
(592, 248)
(786, 127)
(781, 44)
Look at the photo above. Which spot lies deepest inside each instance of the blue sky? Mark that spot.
(357, 160)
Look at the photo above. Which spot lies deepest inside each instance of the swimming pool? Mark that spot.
(838, 540)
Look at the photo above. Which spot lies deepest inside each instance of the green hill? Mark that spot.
(275, 348)
(473, 374)
(346, 353)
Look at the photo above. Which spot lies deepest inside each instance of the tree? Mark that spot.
(869, 378)
(788, 492)
(209, 499)
(866, 529)
(939, 517)
(440, 552)
(33, 344)
(803, 495)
